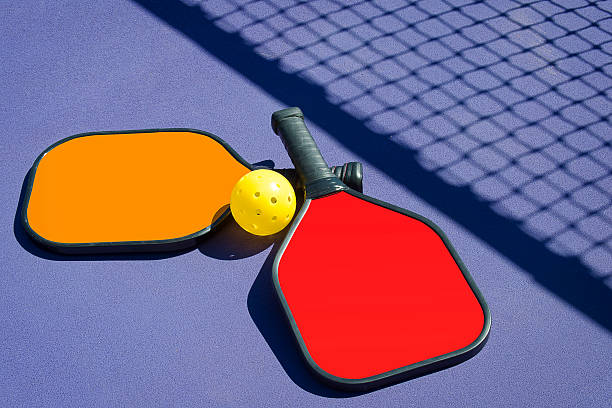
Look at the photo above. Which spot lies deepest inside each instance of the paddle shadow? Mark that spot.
(266, 312)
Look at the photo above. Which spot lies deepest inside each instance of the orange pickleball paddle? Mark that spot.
(131, 190)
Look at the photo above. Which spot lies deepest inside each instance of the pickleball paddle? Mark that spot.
(373, 293)
(143, 190)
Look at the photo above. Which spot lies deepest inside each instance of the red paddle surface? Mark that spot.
(373, 290)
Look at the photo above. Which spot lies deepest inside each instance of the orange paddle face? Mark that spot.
(160, 186)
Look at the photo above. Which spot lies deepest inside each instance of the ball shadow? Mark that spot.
(229, 241)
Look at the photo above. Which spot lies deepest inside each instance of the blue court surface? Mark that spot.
(493, 119)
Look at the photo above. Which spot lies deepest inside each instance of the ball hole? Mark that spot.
(273, 200)
(274, 218)
(289, 198)
(287, 217)
(258, 211)
(257, 194)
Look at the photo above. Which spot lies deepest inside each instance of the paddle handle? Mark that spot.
(314, 173)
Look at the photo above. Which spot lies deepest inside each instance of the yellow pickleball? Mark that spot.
(263, 202)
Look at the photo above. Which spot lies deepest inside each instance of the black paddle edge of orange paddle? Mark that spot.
(403, 373)
(166, 245)
(352, 172)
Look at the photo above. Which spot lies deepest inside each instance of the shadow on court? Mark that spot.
(267, 315)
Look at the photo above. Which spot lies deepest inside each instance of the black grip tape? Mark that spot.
(314, 173)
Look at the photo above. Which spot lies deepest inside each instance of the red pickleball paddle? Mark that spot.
(373, 293)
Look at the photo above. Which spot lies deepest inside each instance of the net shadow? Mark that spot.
(497, 114)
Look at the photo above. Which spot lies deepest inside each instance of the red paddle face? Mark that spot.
(373, 291)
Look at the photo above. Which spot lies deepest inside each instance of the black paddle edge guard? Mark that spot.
(352, 171)
(316, 176)
(403, 373)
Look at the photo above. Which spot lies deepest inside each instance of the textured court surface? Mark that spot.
(493, 120)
